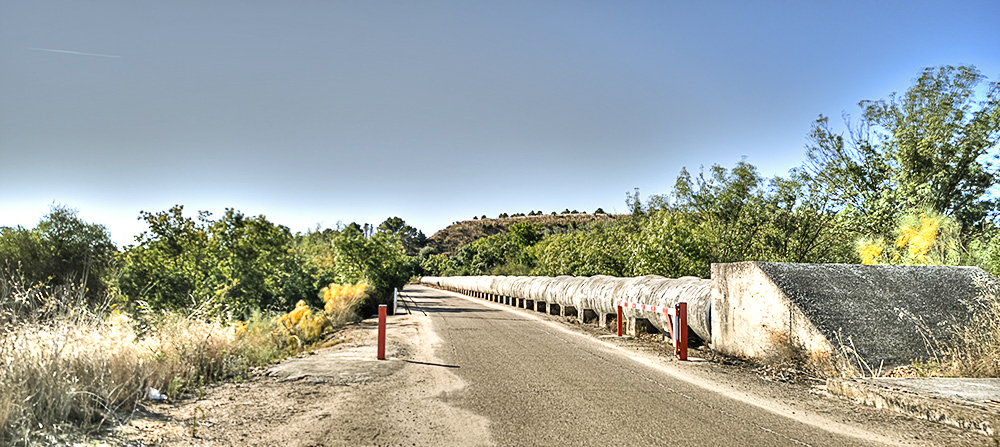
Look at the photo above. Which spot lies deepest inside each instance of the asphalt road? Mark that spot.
(539, 385)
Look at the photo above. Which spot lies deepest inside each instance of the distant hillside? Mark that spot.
(458, 234)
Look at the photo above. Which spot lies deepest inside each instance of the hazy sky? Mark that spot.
(314, 112)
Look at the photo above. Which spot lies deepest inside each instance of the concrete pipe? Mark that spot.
(594, 297)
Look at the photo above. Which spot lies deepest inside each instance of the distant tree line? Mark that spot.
(536, 213)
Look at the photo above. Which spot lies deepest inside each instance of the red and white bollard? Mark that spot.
(381, 331)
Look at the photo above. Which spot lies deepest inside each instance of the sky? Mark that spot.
(318, 112)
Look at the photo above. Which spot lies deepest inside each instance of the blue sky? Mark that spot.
(314, 112)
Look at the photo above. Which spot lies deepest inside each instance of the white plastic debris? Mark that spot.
(155, 394)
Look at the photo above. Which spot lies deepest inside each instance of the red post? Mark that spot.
(681, 331)
(619, 319)
(381, 331)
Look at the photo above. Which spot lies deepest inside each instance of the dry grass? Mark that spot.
(974, 351)
(77, 369)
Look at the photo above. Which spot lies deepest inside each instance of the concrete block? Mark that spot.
(882, 315)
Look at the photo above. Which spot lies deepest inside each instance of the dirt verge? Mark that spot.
(340, 395)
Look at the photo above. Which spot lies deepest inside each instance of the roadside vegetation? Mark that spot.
(910, 181)
(88, 328)
(88, 331)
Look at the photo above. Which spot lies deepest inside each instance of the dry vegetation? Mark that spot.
(76, 369)
(974, 350)
(460, 233)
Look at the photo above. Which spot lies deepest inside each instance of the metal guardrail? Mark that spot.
(676, 318)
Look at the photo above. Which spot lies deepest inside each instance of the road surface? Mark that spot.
(539, 384)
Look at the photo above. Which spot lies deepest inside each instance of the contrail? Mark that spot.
(75, 52)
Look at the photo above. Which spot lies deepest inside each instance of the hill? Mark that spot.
(458, 234)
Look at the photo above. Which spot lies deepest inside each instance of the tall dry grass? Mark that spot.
(974, 350)
(62, 364)
(82, 369)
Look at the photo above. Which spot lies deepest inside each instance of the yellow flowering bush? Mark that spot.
(926, 238)
(302, 327)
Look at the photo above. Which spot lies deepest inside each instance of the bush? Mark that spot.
(302, 328)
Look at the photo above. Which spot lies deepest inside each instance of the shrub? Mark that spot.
(301, 328)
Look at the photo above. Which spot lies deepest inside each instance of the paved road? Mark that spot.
(539, 385)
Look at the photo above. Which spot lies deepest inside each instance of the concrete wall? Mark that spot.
(880, 316)
(752, 318)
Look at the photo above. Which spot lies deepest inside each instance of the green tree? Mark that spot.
(234, 265)
(933, 146)
(62, 250)
(670, 244)
(411, 238)
(602, 248)
(727, 207)
(634, 202)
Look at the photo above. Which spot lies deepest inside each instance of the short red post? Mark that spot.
(381, 331)
(681, 329)
(619, 319)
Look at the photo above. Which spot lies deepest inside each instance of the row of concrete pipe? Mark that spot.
(592, 299)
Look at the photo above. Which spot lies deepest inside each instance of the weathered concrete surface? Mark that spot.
(883, 315)
(753, 318)
(970, 404)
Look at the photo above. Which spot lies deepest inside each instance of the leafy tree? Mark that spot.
(233, 265)
(672, 245)
(378, 260)
(602, 249)
(727, 207)
(739, 217)
(634, 203)
(439, 265)
(62, 250)
(933, 146)
(411, 238)
(501, 251)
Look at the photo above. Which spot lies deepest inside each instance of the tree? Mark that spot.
(933, 146)
(727, 207)
(233, 265)
(411, 238)
(634, 202)
(739, 217)
(378, 259)
(62, 250)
